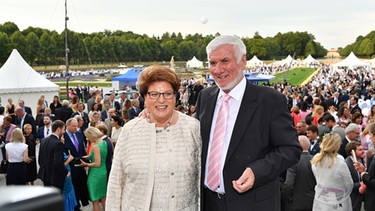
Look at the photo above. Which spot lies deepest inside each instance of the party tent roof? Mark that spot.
(351, 62)
(309, 60)
(19, 81)
(254, 62)
(288, 60)
(194, 62)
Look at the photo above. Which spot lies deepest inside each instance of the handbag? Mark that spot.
(3, 167)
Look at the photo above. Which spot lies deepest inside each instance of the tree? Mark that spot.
(310, 49)
(18, 41)
(5, 47)
(47, 47)
(187, 49)
(9, 28)
(365, 48)
(32, 47)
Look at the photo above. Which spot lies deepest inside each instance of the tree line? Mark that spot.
(364, 46)
(45, 47)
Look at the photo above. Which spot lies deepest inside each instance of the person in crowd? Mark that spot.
(371, 115)
(98, 100)
(334, 183)
(301, 128)
(148, 144)
(322, 125)
(312, 134)
(367, 143)
(368, 176)
(124, 116)
(39, 109)
(30, 140)
(181, 109)
(47, 112)
(74, 142)
(140, 99)
(357, 119)
(97, 173)
(46, 129)
(74, 104)
(304, 110)
(95, 120)
(113, 103)
(116, 127)
(331, 123)
(343, 114)
(251, 156)
(122, 99)
(294, 112)
(17, 157)
(85, 117)
(191, 110)
(10, 110)
(80, 122)
(354, 105)
(352, 133)
(298, 189)
(127, 104)
(65, 112)
(357, 195)
(2, 110)
(91, 101)
(52, 171)
(68, 193)
(105, 111)
(110, 148)
(134, 110)
(55, 104)
(107, 121)
(26, 109)
(95, 107)
(7, 129)
(25, 118)
(317, 113)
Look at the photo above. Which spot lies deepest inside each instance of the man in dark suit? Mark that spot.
(299, 187)
(74, 143)
(259, 141)
(354, 105)
(312, 134)
(25, 118)
(134, 110)
(65, 112)
(140, 99)
(83, 114)
(113, 103)
(47, 112)
(52, 170)
(357, 195)
(26, 109)
(45, 130)
(352, 132)
(104, 114)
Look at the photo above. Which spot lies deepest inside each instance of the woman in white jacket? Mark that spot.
(333, 179)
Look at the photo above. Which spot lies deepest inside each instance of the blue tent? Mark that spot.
(129, 78)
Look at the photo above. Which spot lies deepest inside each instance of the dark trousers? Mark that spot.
(214, 201)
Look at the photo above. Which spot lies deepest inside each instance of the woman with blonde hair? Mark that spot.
(17, 157)
(333, 180)
(39, 109)
(97, 173)
(294, 112)
(318, 111)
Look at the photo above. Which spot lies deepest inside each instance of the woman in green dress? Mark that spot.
(97, 173)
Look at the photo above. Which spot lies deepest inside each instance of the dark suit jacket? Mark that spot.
(40, 134)
(28, 110)
(342, 150)
(355, 196)
(369, 180)
(132, 113)
(63, 113)
(51, 160)
(356, 107)
(41, 120)
(315, 150)
(29, 119)
(299, 186)
(263, 139)
(108, 160)
(104, 115)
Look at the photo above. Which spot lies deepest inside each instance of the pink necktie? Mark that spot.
(213, 171)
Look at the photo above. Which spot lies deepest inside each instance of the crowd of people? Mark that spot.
(186, 144)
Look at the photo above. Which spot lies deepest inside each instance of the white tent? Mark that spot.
(19, 81)
(289, 61)
(351, 62)
(194, 62)
(310, 61)
(254, 62)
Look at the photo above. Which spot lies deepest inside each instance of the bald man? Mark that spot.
(25, 118)
(298, 189)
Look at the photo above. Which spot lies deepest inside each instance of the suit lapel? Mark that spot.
(244, 116)
(208, 112)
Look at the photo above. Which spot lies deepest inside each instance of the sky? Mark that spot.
(334, 23)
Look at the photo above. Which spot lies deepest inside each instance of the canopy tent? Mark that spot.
(288, 61)
(194, 62)
(254, 62)
(351, 62)
(127, 79)
(19, 81)
(309, 61)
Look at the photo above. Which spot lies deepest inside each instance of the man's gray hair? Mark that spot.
(351, 127)
(238, 45)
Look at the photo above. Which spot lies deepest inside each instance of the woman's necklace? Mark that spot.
(168, 124)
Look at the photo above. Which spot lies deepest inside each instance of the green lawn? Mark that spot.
(294, 76)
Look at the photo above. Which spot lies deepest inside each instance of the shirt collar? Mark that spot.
(237, 92)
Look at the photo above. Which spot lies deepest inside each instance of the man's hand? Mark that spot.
(245, 182)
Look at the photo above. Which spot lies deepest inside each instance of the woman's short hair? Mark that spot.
(17, 135)
(157, 73)
(117, 119)
(93, 132)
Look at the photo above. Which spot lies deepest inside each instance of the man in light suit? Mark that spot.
(79, 177)
(357, 195)
(299, 187)
(52, 170)
(259, 142)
